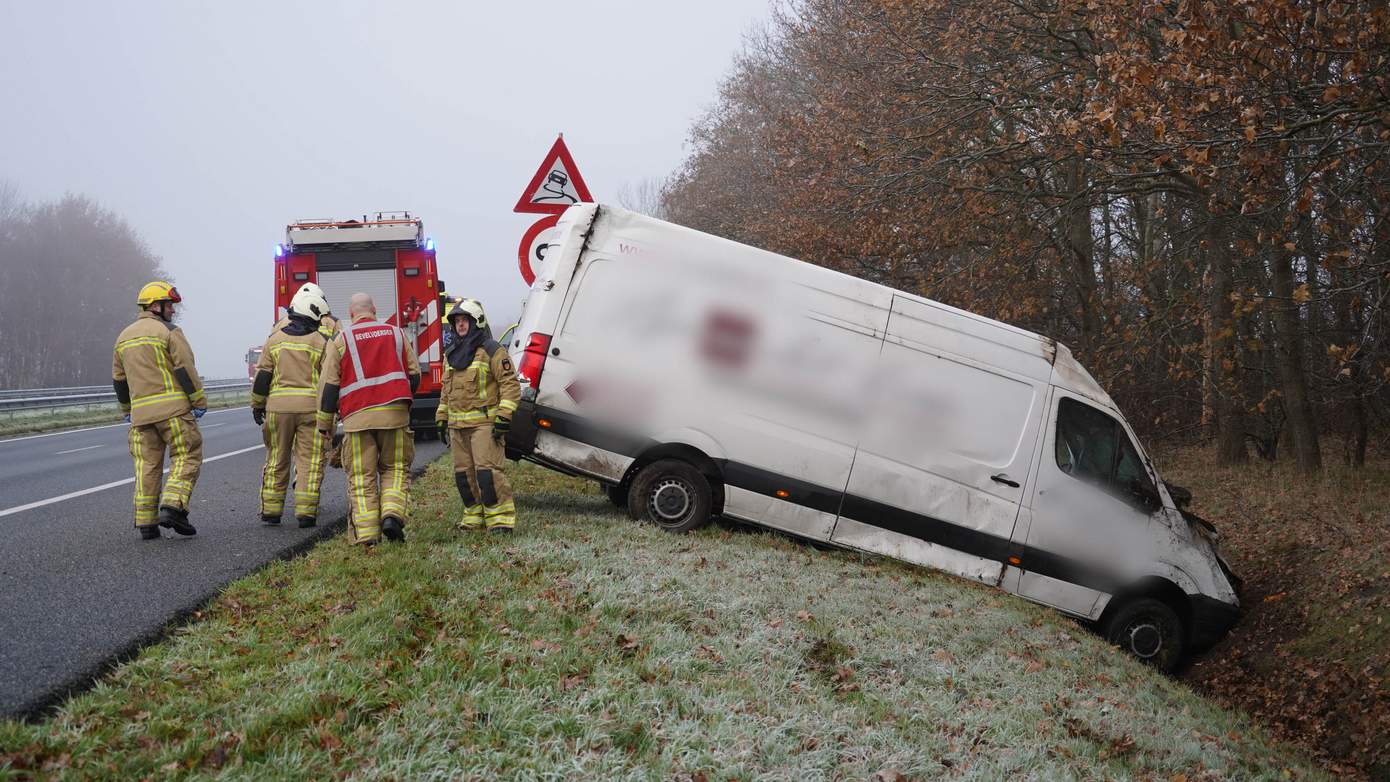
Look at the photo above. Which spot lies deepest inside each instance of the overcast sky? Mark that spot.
(209, 126)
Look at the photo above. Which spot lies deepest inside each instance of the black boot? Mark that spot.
(307, 521)
(499, 531)
(176, 520)
(150, 532)
(273, 521)
(393, 528)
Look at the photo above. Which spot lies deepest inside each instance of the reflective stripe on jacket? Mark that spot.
(483, 391)
(153, 371)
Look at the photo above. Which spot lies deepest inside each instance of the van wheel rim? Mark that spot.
(1145, 640)
(671, 500)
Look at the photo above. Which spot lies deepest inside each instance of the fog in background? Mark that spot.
(209, 127)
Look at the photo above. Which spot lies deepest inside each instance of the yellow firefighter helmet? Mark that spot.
(159, 290)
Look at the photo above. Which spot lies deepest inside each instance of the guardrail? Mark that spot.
(48, 400)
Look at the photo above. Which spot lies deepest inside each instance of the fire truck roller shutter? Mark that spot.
(380, 284)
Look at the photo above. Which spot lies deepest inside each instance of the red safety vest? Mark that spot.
(372, 371)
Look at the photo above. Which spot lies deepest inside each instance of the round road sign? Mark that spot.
(534, 245)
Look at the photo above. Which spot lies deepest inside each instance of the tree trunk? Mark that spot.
(1221, 331)
(1293, 377)
(1081, 246)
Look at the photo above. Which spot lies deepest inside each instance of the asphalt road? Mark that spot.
(79, 589)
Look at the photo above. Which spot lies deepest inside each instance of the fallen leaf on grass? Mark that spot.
(1277, 596)
(328, 740)
(1033, 666)
(891, 775)
(775, 623)
(805, 616)
(709, 652)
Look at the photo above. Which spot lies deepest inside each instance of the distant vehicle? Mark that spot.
(694, 377)
(253, 357)
(388, 257)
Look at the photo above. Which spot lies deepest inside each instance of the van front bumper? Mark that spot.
(1211, 620)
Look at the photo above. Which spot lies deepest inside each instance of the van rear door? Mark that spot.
(939, 472)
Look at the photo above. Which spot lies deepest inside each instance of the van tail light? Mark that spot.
(533, 359)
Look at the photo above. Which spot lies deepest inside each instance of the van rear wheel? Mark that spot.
(670, 494)
(1150, 630)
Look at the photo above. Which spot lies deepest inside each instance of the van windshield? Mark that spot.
(1093, 447)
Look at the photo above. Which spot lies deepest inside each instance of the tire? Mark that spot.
(1150, 630)
(670, 494)
(617, 494)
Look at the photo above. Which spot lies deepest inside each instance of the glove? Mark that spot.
(443, 430)
(199, 412)
(500, 427)
(258, 415)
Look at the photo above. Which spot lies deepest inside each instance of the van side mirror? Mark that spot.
(1181, 497)
(1145, 495)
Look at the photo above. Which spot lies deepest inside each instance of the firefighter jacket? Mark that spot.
(153, 373)
(361, 378)
(287, 377)
(485, 390)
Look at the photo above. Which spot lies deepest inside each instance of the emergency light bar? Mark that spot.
(388, 230)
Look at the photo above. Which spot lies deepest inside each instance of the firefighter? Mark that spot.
(479, 394)
(370, 373)
(283, 403)
(161, 396)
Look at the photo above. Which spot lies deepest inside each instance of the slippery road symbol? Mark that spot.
(556, 189)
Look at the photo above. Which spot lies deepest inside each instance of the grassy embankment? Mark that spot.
(589, 647)
(1311, 656)
(31, 423)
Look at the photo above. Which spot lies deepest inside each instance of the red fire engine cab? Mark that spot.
(388, 257)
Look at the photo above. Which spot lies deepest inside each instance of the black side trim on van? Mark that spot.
(759, 481)
(860, 509)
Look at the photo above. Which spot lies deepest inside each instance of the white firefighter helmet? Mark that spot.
(471, 307)
(309, 301)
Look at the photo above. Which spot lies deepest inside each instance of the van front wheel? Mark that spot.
(670, 494)
(1150, 630)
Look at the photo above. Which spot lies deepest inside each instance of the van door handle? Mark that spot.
(1004, 479)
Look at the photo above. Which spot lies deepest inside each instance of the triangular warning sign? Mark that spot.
(557, 184)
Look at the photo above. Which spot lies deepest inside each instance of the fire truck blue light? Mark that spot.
(429, 245)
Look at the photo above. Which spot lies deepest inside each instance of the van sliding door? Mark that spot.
(939, 472)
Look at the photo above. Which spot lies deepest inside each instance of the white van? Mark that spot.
(697, 377)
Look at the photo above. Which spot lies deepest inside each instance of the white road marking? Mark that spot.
(76, 450)
(111, 485)
(107, 426)
(211, 426)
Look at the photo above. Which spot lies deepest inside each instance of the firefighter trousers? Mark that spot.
(482, 485)
(148, 442)
(292, 437)
(377, 462)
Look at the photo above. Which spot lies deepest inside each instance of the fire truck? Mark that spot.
(253, 357)
(386, 256)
